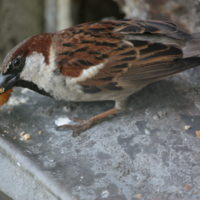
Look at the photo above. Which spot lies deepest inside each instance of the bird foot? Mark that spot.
(78, 128)
(85, 124)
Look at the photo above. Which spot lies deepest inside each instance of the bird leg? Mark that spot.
(85, 124)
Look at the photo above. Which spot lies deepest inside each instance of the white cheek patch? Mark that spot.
(86, 74)
(37, 71)
(34, 65)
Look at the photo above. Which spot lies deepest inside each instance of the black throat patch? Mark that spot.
(31, 86)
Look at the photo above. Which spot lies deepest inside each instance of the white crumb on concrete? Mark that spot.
(66, 109)
(17, 101)
(156, 117)
(147, 131)
(25, 90)
(187, 127)
(62, 121)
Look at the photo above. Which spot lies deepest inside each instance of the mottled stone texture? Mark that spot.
(19, 20)
(184, 13)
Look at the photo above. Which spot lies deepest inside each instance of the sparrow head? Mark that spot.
(20, 58)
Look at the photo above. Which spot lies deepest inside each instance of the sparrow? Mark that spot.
(100, 61)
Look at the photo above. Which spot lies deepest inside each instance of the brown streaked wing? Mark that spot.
(154, 27)
(141, 64)
(90, 44)
(84, 46)
(157, 71)
(126, 63)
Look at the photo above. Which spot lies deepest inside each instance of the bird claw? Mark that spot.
(85, 124)
(77, 129)
(75, 119)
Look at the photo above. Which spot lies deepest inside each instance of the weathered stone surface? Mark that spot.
(144, 150)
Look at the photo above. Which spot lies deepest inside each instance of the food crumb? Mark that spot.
(155, 117)
(22, 134)
(187, 187)
(5, 96)
(195, 192)
(198, 134)
(192, 120)
(187, 127)
(40, 132)
(139, 196)
(15, 138)
(2, 90)
(26, 137)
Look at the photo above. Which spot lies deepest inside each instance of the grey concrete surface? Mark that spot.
(144, 150)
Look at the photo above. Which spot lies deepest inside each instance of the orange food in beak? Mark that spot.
(5, 97)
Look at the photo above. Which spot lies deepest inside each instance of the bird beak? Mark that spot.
(7, 82)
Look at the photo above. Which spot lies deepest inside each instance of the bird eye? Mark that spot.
(16, 65)
(17, 62)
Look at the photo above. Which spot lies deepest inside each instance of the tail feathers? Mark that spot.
(192, 48)
(156, 71)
